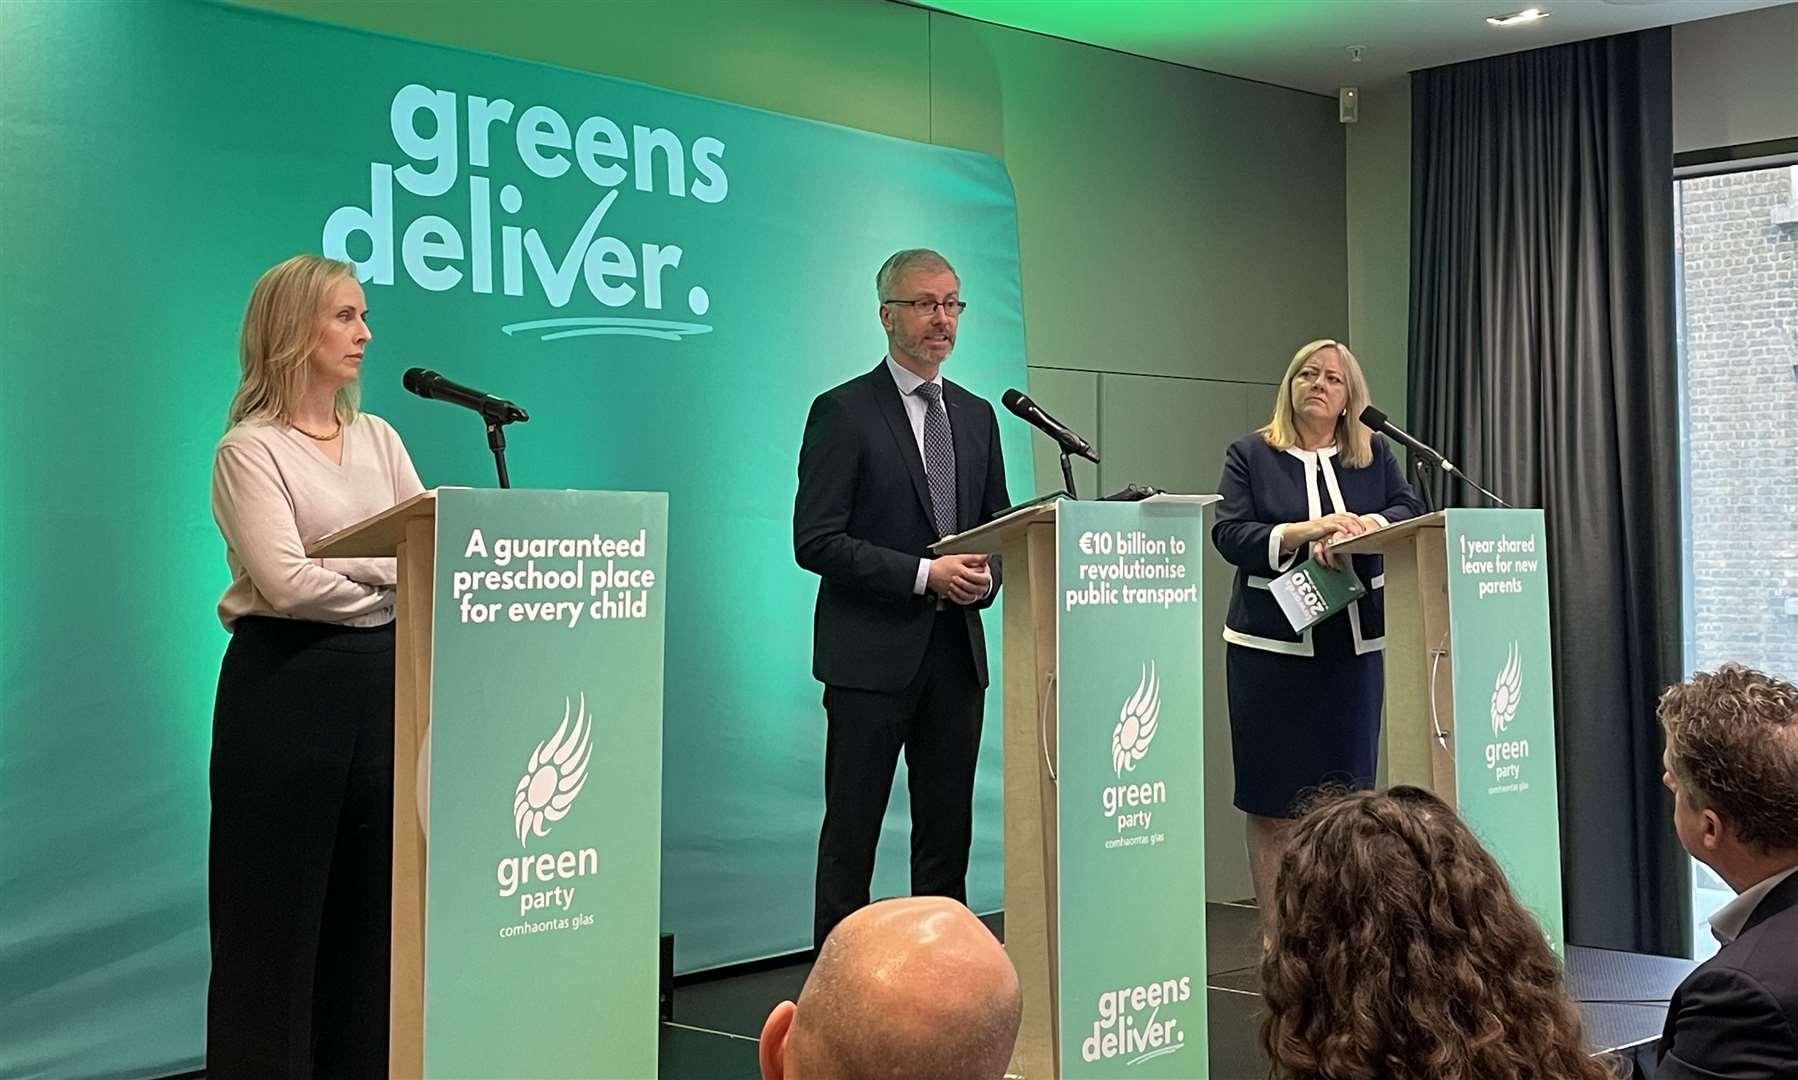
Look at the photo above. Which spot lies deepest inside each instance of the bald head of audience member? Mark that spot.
(914, 988)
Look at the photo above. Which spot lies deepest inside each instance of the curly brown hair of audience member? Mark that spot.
(1400, 953)
(1733, 737)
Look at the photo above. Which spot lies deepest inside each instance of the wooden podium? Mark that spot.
(1420, 707)
(407, 532)
(1026, 542)
(535, 872)
(1073, 668)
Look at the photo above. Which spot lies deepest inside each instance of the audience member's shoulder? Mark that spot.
(1768, 950)
(1723, 1007)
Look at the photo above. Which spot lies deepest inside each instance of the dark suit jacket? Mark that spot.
(1736, 1016)
(862, 521)
(1262, 487)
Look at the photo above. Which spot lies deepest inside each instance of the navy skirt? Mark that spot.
(1302, 723)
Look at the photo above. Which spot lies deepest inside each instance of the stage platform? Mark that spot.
(716, 1021)
(718, 1015)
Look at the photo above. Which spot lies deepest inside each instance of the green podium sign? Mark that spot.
(1130, 806)
(1504, 699)
(1470, 684)
(542, 906)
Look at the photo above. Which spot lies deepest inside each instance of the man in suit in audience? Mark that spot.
(914, 987)
(1731, 761)
(892, 461)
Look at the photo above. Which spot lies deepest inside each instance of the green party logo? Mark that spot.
(1131, 804)
(1505, 756)
(1136, 723)
(553, 776)
(454, 141)
(1506, 691)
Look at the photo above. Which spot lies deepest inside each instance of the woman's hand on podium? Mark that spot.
(1320, 549)
(1339, 527)
(1297, 534)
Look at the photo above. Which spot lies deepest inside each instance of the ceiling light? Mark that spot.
(1517, 18)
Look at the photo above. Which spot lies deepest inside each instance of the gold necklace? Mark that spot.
(336, 431)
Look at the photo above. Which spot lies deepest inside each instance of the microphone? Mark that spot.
(428, 384)
(1377, 420)
(1031, 413)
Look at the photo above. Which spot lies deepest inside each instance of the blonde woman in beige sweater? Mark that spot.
(302, 743)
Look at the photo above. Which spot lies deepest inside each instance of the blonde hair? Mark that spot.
(283, 323)
(1354, 441)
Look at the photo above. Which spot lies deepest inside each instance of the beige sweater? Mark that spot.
(274, 492)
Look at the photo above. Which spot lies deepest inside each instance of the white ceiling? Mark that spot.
(1304, 43)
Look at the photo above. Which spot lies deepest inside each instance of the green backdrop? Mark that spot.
(158, 158)
(1180, 232)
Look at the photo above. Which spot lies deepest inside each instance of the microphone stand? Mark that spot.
(1447, 468)
(1471, 482)
(496, 441)
(1067, 474)
(496, 418)
(1423, 488)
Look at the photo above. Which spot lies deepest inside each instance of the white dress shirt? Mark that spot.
(1728, 920)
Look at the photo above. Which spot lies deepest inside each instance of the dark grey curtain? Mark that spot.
(1543, 362)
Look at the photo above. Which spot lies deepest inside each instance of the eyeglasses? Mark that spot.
(927, 306)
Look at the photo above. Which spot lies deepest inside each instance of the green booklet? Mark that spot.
(1312, 592)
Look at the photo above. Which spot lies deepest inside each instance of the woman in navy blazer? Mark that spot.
(1304, 707)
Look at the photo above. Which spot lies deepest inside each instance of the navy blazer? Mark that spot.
(1262, 488)
(861, 522)
(1736, 1015)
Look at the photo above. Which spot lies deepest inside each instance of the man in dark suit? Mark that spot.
(892, 461)
(1732, 764)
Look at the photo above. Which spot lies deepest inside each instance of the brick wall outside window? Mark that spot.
(1739, 347)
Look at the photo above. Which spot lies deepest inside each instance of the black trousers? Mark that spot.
(936, 721)
(301, 851)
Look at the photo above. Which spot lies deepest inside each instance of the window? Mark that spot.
(1736, 242)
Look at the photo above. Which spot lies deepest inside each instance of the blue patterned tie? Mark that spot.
(939, 458)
